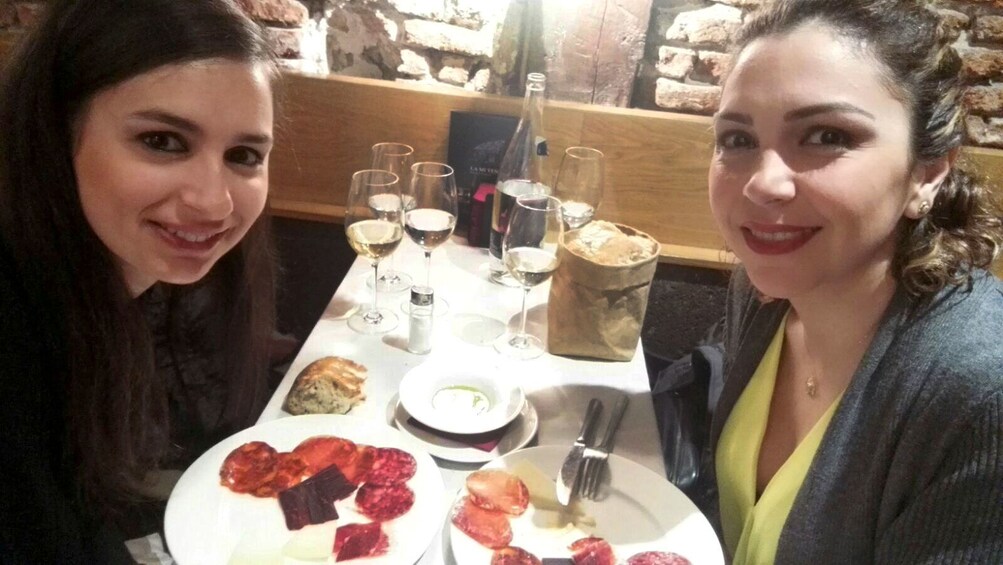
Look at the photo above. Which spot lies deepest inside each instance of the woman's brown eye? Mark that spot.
(244, 156)
(166, 142)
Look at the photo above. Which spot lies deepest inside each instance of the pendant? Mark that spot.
(812, 390)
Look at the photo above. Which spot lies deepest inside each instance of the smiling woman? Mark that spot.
(861, 419)
(136, 279)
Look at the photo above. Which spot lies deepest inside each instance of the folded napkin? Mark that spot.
(485, 441)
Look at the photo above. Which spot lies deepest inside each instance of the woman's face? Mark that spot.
(811, 174)
(172, 166)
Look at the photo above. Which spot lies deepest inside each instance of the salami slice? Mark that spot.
(357, 469)
(384, 502)
(592, 551)
(320, 452)
(249, 467)
(489, 528)
(391, 466)
(498, 490)
(658, 558)
(288, 473)
(352, 541)
(513, 555)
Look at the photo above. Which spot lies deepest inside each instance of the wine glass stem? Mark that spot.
(376, 291)
(522, 324)
(428, 269)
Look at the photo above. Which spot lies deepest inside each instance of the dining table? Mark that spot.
(478, 311)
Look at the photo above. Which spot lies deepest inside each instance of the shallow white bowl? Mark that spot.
(460, 400)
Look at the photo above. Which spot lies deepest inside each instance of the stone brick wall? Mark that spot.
(481, 45)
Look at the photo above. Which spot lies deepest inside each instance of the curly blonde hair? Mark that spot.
(963, 230)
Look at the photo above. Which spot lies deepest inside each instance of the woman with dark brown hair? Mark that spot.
(861, 419)
(136, 278)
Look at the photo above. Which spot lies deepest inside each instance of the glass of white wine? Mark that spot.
(529, 252)
(374, 235)
(396, 158)
(579, 184)
(431, 216)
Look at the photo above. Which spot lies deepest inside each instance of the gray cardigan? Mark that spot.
(910, 469)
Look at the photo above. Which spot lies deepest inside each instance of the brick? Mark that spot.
(978, 63)
(447, 38)
(982, 132)
(713, 26)
(481, 81)
(286, 43)
(288, 13)
(674, 62)
(426, 9)
(303, 66)
(984, 100)
(988, 29)
(413, 65)
(953, 22)
(712, 66)
(457, 76)
(680, 97)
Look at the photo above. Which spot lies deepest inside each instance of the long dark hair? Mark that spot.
(963, 230)
(116, 424)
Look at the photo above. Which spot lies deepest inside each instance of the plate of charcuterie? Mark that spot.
(508, 513)
(307, 489)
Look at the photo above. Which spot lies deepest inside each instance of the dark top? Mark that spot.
(910, 469)
(40, 519)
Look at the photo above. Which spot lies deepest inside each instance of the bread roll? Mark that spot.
(329, 385)
(604, 243)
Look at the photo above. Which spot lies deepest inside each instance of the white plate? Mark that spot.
(518, 434)
(426, 389)
(205, 522)
(639, 511)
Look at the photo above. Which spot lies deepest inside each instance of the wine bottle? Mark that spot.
(521, 169)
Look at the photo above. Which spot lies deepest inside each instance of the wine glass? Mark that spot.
(530, 254)
(579, 184)
(396, 158)
(374, 235)
(430, 219)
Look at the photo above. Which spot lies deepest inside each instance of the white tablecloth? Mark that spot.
(558, 387)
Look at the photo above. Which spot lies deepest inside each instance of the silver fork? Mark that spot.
(595, 459)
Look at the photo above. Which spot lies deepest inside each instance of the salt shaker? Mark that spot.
(420, 332)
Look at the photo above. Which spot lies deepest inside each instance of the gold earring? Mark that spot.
(924, 207)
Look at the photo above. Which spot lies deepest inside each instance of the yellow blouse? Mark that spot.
(752, 527)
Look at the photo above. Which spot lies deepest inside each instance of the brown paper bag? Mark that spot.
(596, 310)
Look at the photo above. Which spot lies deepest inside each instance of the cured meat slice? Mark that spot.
(384, 502)
(357, 469)
(498, 490)
(391, 466)
(592, 551)
(489, 528)
(320, 452)
(312, 501)
(249, 467)
(352, 541)
(513, 555)
(288, 473)
(658, 558)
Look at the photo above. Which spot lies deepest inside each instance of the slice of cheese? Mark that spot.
(312, 543)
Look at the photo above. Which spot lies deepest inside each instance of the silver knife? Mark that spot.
(569, 476)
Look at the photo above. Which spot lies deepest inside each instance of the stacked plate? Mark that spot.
(464, 414)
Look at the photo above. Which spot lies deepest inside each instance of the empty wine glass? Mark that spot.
(396, 158)
(431, 217)
(529, 251)
(374, 235)
(579, 184)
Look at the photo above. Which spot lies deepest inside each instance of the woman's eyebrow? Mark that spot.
(734, 117)
(832, 107)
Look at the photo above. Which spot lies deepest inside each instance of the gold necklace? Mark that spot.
(811, 385)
